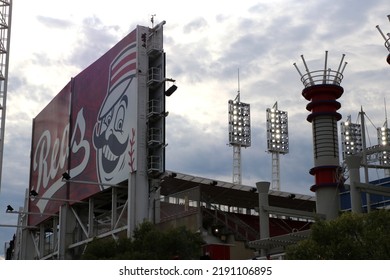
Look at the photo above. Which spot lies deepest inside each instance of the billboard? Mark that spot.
(90, 128)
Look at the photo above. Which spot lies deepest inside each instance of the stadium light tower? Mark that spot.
(5, 36)
(387, 40)
(351, 138)
(384, 142)
(239, 132)
(277, 140)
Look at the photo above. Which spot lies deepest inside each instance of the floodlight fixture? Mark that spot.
(383, 136)
(351, 138)
(216, 230)
(239, 124)
(277, 130)
(9, 208)
(384, 141)
(67, 178)
(33, 193)
(170, 90)
(291, 196)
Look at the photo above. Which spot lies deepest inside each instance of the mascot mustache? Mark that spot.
(116, 147)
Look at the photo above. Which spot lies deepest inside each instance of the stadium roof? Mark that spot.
(224, 193)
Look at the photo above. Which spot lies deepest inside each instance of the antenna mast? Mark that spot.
(238, 86)
(386, 124)
(152, 19)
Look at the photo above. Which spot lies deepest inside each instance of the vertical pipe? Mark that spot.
(299, 72)
(41, 241)
(380, 31)
(325, 67)
(307, 70)
(130, 204)
(114, 205)
(345, 64)
(91, 206)
(364, 147)
(341, 62)
(263, 189)
(338, 70)
(353, 163)
(63, 217)
(55, 232)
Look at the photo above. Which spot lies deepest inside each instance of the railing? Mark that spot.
(154, 46)
(240, 229)
(321, 77)
(154, 137)
(170, 211)
(154, 76)
(154, 107)
(387, 44)
(324, 76)
(154, 164)
(387, 39)
(179, 204)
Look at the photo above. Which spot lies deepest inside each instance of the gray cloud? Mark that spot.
(194, 148)
(54, 22)
(195, 25)
(95, 39)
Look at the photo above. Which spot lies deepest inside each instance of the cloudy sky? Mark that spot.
(206, 42)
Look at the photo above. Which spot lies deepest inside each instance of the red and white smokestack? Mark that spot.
(387, 40)
(322, 89)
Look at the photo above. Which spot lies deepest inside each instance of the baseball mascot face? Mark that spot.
(111, 135)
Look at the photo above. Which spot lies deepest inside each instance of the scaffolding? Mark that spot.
(5, 35)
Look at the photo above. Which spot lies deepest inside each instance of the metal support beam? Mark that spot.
(237, 165)
(373, 189)
(263, 189)
(275, 171)
(353, 163)
(292, 212)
